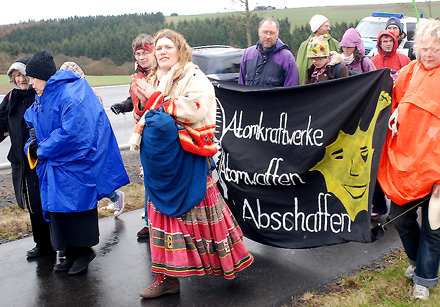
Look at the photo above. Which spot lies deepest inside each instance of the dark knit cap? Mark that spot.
(395, 21)
(23, 59)
(41, 66)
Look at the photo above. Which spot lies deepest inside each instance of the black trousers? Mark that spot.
(41, 231)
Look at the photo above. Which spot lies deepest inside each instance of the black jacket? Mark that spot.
(25, 180)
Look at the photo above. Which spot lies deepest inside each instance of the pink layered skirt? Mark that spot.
(205, 240)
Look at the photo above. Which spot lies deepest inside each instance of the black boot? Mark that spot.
(65, 264)
(83, 256)
(41, 233)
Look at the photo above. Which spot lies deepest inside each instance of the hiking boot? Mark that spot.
(143, 233)
(119, 204)
(420, 292)
(39, 252)
(161, 285)
(410, 272)
(81, 264)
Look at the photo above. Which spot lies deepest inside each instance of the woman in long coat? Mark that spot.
(76, 155)
(25, 180)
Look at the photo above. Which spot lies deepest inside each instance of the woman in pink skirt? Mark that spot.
(192, 230)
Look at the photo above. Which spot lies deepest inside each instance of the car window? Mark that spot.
(411, 28)
(370, 29)
(232, 65)
(203, 63)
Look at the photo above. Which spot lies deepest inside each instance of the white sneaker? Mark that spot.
(420, 292)
(119, 204)
(141, 173)
(410, 272)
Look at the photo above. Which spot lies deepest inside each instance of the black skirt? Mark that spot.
(74, 229)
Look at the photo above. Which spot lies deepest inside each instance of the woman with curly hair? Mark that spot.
(409, 171)
(192, 230)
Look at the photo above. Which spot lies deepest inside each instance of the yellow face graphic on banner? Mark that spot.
(346, 165)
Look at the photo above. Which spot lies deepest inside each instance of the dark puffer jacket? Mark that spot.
(25, 180)
(274, 67)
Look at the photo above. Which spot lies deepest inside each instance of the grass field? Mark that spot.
(5, 87)
(352, 13)
(108, 80)
(297, 17)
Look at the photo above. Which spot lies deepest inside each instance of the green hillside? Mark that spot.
(351, 13)
(102, 44)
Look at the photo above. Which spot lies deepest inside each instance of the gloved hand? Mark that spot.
(117, 108)
(33, 150)
(32, 132)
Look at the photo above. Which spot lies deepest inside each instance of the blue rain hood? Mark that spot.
(80, 161)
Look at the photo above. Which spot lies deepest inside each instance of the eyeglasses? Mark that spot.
(141, 54)
(269, 33)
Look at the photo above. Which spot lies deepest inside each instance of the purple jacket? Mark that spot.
(352, 38)
(274, 68)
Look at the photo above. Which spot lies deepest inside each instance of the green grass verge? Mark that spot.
(4, 79)
(5, 87)
(108, 80)
(93, 80)
(380, 284)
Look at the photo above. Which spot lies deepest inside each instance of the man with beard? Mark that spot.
(268, 63)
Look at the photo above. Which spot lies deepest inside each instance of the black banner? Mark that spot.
(298, 165)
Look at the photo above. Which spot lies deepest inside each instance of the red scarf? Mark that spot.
(319, 71)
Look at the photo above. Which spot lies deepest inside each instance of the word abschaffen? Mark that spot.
(295, 220)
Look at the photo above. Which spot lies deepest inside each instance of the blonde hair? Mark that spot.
(426, 29)
(183, 49)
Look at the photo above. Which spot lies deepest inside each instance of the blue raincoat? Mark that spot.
(79, 158)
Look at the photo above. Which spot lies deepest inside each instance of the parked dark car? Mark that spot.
(218, 62)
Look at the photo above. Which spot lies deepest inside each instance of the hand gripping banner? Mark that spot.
(298, 165)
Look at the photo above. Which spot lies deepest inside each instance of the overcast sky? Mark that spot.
(25, 10)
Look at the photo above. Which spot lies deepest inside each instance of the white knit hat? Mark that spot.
(317, 21)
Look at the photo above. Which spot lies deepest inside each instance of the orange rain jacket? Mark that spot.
(410, 162)
(394, 59)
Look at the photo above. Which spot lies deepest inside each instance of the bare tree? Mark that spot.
(244, 4)
(429, 5)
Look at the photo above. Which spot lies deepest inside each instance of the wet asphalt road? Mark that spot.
(122, 268)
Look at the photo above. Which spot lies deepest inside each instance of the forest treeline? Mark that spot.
(111, 36)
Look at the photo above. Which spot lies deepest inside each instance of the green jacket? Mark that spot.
(303, 63)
